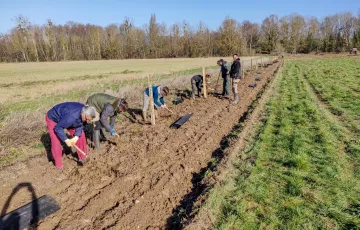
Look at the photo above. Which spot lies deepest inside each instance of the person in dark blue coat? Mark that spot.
(70, 116)
(159, 92)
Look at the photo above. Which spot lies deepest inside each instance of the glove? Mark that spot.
(74, 140)
(112, 132)
(68, 142)
(164, 106)
(111, 127)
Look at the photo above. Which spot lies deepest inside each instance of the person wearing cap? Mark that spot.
(107, 108)
(159, 92)
(235, 74)
(197, 84)
(226, 78)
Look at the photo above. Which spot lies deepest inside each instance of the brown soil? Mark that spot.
(137, 183)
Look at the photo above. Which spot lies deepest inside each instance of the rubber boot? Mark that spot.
(102, 136)
(144, 116)
(236, 99)
(96, 139)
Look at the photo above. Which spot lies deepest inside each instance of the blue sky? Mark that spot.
(210, 12)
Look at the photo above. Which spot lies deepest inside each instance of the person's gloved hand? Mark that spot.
(68, 142)
(113, 133)
(112, 127)
(74, 140)
(164, 106)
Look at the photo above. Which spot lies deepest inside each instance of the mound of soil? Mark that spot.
(136, 183)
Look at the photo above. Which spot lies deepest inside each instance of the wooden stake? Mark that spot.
(256, 64)
(242, 69)
(152, 110)
(251, 65)
(204, 82)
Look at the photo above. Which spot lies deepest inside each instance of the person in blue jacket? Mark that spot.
(159, 92)
(70, 116)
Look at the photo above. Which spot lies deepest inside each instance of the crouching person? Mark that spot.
(70, 116)
(159, 92)
(107, 108)
(197, 84)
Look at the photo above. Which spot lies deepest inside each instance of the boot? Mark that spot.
(102, 136)
(236, 99)
(193, 95)
(96, 139)
(144, 116)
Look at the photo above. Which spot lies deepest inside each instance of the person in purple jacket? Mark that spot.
(70, 116)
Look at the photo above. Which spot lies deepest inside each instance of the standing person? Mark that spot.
(226, 78)
(70, 116)
(235, 74)
(159, 92)
(197, 84)
(107, 107)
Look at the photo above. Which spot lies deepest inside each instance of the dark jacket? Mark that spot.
(224, 69)
(198, 79)
(235, 71)
(156, 95)
(103, 103)
(67, 115)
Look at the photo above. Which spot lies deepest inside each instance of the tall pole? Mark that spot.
(204, 82)
(243, 69)
(152, 109)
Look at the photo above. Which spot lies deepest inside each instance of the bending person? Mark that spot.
(107, 108)
(70, 116)
(197, 84)
(159, 92)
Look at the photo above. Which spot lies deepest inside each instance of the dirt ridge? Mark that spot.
(139, 182)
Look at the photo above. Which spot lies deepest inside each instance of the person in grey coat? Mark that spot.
(107, 107)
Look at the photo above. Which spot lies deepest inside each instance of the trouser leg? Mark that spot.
(227, 87)
(56, 149)
(235, 90)
(193, 88)
(146, 101)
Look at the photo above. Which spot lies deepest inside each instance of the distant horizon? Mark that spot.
(139, 12)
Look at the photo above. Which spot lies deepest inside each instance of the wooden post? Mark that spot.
(242, 69)
(251, 66)
(204, 82)
(152, 110)
(256, 64)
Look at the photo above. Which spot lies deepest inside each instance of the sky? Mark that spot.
(212, 13)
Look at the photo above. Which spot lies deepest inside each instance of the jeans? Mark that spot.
(226, 86)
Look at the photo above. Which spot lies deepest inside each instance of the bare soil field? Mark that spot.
(140, 182)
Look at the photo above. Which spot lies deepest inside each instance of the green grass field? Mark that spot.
(307, 153)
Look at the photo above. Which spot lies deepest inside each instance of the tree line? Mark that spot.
(75, 41)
